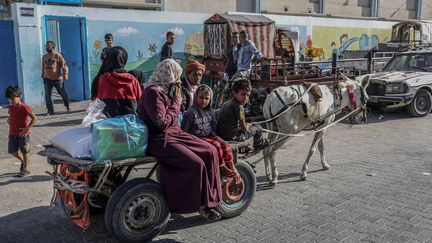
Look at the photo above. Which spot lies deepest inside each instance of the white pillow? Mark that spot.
(77, 142)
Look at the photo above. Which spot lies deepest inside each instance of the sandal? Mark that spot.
(24, 173)
(210, 214)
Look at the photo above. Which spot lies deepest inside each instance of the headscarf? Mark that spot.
(167, 72)
(194, 65)
(114, 62)
(202, 87)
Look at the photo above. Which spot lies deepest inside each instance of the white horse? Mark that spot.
(307, 114)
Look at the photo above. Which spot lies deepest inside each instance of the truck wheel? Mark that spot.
(421, 104)
(239, 201)
(137, 211)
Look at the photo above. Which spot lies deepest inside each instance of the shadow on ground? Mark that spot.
(41, 224)
(9, 178)
(60, 123)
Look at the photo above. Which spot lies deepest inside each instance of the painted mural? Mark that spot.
(144, 41)
(328, 39)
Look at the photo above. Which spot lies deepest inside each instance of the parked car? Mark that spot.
(405, 81)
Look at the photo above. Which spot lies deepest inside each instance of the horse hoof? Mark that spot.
(272, 183)
(303, 178)
(326, 167)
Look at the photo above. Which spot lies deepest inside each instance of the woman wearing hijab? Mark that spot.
(189, 167)
(119, 90)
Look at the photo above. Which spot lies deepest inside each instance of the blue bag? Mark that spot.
(119, 138)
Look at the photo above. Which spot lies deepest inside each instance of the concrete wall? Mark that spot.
(30, 36)
(201, 6)
(142, 34)
(359, 8)
(400, 9)
(283, 6)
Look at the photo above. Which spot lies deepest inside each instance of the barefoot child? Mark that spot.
(200, 120)
(19, 127)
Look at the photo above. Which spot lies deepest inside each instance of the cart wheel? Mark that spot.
(241, 197)
(137, 211)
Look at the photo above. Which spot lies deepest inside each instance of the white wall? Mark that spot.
(30, 33)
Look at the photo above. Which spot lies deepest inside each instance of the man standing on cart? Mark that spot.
(232, 55)
(245, 55)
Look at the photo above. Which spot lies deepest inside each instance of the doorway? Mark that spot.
(70, 37)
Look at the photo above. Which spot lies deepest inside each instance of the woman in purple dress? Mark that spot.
(189, 168)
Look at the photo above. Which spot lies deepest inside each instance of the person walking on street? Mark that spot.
(54, 72)
(109, 41)
(232, 55)
(166, 51)
(19, 128)
(245, 55)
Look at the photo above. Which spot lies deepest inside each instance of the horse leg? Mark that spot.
(321, 149)
(312, 150)
(269, 157)
(274, 170)
(269, 154)
(267, 164)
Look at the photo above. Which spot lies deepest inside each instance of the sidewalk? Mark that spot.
(46, 126)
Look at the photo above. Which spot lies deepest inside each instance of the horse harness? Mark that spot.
(316, 123)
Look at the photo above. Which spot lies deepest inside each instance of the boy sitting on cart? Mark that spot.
(231, 122)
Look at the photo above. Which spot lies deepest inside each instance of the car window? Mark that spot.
(398, 63)
(410, 62)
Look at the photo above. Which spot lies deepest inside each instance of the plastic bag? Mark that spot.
(77, 142)
(119, 138)
(94, 113)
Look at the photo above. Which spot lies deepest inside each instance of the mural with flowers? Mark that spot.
(144, 41)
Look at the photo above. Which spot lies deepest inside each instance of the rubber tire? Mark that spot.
(413, 109)
(121, 198)
(228, 210)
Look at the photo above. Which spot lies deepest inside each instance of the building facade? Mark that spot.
(382, 9)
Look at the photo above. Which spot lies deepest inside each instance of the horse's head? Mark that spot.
(353, 96)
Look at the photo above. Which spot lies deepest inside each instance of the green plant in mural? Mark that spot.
(140, 55)
(152, 48)
(97, 45)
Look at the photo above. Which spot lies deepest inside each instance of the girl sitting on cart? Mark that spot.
(200, 120)
(189, 166)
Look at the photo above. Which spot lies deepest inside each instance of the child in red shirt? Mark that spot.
(19, 127)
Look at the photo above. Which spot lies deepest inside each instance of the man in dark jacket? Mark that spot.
(193, 74)
(232, 55)
(166, 51)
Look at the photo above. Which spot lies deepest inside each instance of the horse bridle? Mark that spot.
(353, 105)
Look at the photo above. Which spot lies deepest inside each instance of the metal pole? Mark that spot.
(257, 6)
(334, 62)
(419, 9)
(321, 6)
(375, 8)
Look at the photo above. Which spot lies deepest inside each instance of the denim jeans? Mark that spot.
(58, 84)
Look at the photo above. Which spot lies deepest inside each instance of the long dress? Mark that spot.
(189, 167)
